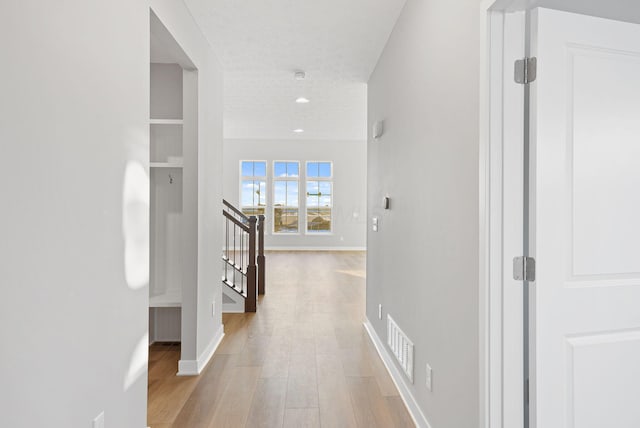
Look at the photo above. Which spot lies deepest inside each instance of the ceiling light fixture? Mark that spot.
(302, 100)
(298, 131)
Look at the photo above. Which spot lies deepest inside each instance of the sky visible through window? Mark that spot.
(254, 187)
(254, 169)
(319, 169)
(285, 169)
(317, 198)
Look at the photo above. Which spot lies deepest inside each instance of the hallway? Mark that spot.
(303, 360)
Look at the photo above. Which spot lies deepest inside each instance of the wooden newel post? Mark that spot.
(250, 301)
(261, 259)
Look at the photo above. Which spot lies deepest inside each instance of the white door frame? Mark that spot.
(501, 215)
(501, 201)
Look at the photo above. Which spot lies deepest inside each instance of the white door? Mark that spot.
(585, 222)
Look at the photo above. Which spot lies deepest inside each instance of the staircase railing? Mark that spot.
(243, 260)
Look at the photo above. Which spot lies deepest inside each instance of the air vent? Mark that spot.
(401, 347)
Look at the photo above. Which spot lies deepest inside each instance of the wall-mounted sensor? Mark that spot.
(386, 203)
(378, 129)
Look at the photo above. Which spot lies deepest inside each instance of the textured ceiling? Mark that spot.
(262, 42)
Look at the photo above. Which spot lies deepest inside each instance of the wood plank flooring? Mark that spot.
(303, 360)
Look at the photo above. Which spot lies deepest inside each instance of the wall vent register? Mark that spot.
(401, 347)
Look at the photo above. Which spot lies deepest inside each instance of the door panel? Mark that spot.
(585, 222)
(601, 369)
(604, 149)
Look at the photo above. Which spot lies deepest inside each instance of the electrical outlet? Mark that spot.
(380, 311)
(429, 378)
(98, 422)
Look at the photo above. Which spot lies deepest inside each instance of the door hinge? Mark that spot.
(524, 268)
(525, 70)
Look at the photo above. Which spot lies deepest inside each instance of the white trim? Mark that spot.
(233, 310)
(398, 379)
(166, 121)
(195, 367)
(498, 208)
(484, 212)
(315, 248)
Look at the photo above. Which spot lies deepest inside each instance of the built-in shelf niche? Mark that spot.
(167, 214)
(166, 143)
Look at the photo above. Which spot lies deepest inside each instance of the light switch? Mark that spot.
(429, 380)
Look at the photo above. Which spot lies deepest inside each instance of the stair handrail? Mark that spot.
(254, 270)
(236, 211)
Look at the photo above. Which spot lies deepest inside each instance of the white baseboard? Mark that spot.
(232, 310)
(195, 367)
(315, 248)
(398, 379)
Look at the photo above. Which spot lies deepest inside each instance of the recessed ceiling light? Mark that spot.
(298, 131)
(302, 100)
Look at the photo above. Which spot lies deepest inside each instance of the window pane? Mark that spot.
(319, 220)
(292, 169)
(324, 169)
(260, 169)
(279, 193)
(247, 169)
(313, 188)
(262, 201)
(312, 202)
(247, 193)
(253, 193)
(312, 169)
(292, 193)
(253, 211)
(325, 187)
(280, 169)
(285, 220)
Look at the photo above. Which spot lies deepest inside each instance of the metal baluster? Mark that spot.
(226, 249)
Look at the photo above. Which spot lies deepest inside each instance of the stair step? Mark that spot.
(233, 287)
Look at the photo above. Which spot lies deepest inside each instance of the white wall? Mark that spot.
(200, 328)
(422, 265)
(74, 249)
(349, 186)
(74, 130)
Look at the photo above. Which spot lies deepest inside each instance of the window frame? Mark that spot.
(329, 179)
(264, 178)
(272, 209)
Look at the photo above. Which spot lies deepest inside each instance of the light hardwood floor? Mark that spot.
(303, 360)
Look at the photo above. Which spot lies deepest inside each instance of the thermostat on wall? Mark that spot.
(378, 128)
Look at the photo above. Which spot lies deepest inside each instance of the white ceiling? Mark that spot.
(262, 42)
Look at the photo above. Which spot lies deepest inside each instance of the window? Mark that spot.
(285, 197)
(253, 191)
(319, 197)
